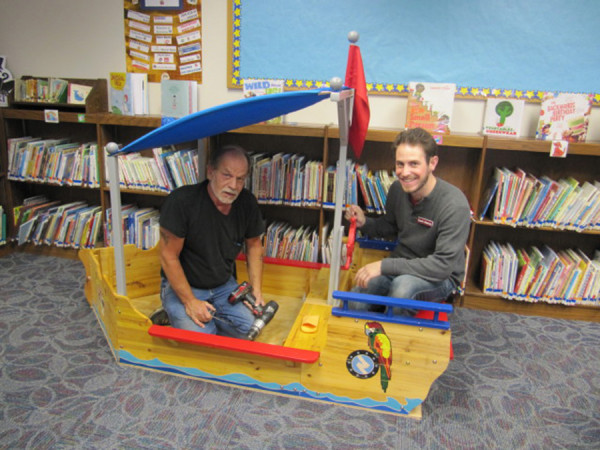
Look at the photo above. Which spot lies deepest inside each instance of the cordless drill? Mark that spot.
(262, 314)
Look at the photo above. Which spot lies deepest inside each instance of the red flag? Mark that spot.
(355, 78)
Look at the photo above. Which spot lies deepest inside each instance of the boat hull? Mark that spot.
(306, 351)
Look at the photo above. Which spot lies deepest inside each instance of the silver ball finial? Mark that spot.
(336, 84)
(353, 36)
(112, 147)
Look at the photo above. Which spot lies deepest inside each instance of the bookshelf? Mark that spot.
(466, 161)
(532, 156)
(95, 102)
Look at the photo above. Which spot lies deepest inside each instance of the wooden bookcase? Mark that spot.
(533, 157)
(95, 102)
(466, 161)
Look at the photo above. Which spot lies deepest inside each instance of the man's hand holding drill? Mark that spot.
(199, 312)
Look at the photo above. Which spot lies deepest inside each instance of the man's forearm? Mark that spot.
(254, 261)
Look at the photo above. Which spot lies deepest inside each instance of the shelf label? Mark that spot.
(51, 115)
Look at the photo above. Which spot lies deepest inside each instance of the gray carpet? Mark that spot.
(516, 382)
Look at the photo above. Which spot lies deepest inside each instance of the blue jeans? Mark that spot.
(229, 320)
(404, 286)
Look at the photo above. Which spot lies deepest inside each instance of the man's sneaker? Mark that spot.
(160, 317)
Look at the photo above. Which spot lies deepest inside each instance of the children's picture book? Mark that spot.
(503, 117)
(128, 93)
(58, 90)
(78, 93)
(430, 106)
(564, 117)
(178, 99)
(254, 87)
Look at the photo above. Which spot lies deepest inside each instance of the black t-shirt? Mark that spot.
(212, 240)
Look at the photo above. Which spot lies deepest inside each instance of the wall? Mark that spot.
(84, 39)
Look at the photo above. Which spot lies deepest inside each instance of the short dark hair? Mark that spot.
(420, 137)
(217, 155)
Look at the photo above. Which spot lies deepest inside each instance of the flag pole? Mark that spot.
(344, 101)
(353, 119)
(112, 162)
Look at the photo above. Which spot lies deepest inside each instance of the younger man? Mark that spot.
(430, 219)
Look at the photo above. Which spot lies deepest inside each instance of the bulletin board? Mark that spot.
(164, 39)
(488, 48)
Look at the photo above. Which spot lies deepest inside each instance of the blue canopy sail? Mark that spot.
(229, 116)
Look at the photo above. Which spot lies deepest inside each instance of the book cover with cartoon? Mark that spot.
(564, 117)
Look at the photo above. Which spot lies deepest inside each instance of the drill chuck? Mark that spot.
(260, 322)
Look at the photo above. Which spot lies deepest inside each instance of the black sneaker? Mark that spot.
(160, 317)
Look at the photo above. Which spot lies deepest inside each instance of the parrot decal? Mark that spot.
(380, 344)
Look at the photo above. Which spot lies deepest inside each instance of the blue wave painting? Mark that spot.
(295, 389)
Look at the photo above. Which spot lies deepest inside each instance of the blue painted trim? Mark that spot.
(389, 316)
(295, 389)
(376, 244)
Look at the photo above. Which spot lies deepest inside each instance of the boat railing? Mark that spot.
(430, 314)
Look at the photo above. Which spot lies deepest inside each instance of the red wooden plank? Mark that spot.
(235, 345)
(287, 262)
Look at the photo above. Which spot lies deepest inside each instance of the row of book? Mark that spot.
(284, 241)
(164, 171)
(541, 274)
(518, 198)
(48, 222)
(285, 179)
(53, 161)
(291, 179)
(564, 116)
(372, 186)
(140, 226)
(50, 90)
(128, 93)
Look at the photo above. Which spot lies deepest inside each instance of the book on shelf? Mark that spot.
(128, 93)
(58, 90)
(547, 197)
(287, 179)
(520, 199)
(567, 276)
(488, 195)
(503, 117)
(140, 226)
(53, 223)
(564, 117)
(255, 87)
(163, 171)
(50, 90)
(77, 93)
(329, 186)
(179, 98)
(430, 106)
(283, 241)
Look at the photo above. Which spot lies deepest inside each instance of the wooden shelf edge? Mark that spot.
(498, 304)
(491, 223)
(33, 114)
(150, 121)
(536, 145)
(304, 130)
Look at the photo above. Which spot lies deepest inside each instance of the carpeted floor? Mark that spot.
(516, 382)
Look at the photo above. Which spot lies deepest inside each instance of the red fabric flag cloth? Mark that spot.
(355, 78)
